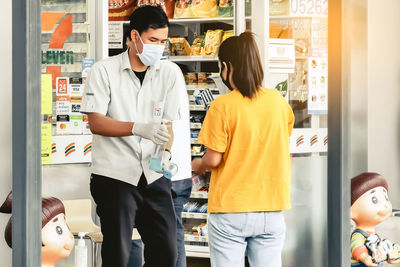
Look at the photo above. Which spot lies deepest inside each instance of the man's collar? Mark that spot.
(126, 63)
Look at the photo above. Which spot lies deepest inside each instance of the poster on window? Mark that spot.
(115, 35)
(317, 85)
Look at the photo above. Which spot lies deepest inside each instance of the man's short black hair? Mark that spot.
(148, 17)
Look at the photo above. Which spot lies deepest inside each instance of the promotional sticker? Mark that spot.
(63, 125)
(62, 86)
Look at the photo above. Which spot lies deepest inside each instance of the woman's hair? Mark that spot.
(243, 55)
(51, 207)
(364, 182)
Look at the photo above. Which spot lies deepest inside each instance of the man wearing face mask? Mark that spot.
(127, 97)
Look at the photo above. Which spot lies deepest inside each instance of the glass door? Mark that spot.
(295, 53)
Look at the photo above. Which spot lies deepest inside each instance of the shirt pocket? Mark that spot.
(157, 110)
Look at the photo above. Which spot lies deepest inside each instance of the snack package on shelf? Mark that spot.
(197, 118)
(170, 8)
(196, 46)
(212, 42)
(202, 78)
(205, 188)
(203, 208)
(120, 11)
(191, 207)
(196, 149)
(204, 8)
(179, 46)
(167, 49)
(183, 9)
(200, 230)
(195, 9)
(198, 182)
(225, 8)
(192, 78)
(227, 34)
(194, 134)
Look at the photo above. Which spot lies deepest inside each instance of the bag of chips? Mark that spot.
(204, 8)
(212, 42)
(179, 46)
(196, 46)
(225, 8)
(227, 34)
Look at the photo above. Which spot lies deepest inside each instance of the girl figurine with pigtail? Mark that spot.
(370, 205)
(57, 240)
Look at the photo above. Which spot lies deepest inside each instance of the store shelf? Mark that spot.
(197, 251)
(199, 195)
(193, 58)
(194, 141)
(202, 87)
(228, 20)
(202, 20)
(197, 108)
(194, 215)
(197, 154)
(195, 238)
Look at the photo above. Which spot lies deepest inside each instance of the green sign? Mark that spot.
(57, 57)
(282, 87)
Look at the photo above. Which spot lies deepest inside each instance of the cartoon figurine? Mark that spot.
(57, 240)
(370, 206)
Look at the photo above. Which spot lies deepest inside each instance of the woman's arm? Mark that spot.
(209, 161)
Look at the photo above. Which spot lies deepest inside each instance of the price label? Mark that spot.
(309, 7)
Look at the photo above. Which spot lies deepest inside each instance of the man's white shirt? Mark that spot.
(112, 89)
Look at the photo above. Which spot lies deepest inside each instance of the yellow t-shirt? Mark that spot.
(253, 135)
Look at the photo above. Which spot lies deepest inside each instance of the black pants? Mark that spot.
(121, 206)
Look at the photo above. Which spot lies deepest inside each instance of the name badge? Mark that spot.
(158, 110)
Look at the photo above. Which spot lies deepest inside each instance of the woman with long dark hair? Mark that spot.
(246, 133)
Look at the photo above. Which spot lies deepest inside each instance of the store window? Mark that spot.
(297, 66)
(66, 57)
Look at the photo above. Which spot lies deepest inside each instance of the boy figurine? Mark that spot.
(57, 240)
(370, 206)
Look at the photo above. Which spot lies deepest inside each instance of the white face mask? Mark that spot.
(151, 53)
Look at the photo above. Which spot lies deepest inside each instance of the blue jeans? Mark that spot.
(260, 234)
(135, 258)
(180, 193)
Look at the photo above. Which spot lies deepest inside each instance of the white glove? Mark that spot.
(166, 157)
(155, 132)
